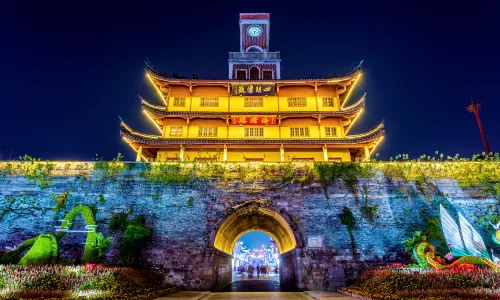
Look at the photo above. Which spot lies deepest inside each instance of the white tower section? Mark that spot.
(254, 61)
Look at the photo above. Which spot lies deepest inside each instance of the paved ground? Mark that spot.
(256, 288)
(308, 295)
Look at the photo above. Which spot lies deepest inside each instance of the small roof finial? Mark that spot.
(361, 64)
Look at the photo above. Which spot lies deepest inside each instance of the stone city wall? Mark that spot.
(182, 216)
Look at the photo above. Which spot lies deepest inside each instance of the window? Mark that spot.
(299, 131)
(268, 75)
(331, 131)
(209, 102)
(207, 131)
(202, 159)
(253, 132)
(253, 159)
(176, 131)
(302, 159)
(297, 101)
(328, 102)
(241, 75)
(179, 102)
(253, 102)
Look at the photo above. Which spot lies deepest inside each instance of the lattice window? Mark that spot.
(297, 101)
(179, 102)
(209, 102)
(331, 131)
(328, 102)
(335, 159)
(254, 102)
(176, 131)
(301, 159)
(299, 131)
(207, 131)
(254, 132)
(204, 159)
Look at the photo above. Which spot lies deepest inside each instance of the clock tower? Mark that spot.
(254, 61)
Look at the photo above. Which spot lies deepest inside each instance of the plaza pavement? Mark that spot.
(307, 295)
(244, 288)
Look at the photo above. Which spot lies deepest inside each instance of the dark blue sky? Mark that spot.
(70, 68)
(254, 240)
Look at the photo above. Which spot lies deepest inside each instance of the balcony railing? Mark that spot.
(254, 55)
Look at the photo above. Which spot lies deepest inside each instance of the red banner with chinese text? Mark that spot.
(253, 120)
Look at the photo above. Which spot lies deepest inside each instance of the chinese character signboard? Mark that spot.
(253, 120)
(253, 89)
(315, 242)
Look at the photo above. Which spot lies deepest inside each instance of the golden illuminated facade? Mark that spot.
(254, 115)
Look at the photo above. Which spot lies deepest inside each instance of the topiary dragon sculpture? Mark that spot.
(44, 248)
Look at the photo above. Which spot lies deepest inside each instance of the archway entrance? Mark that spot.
(254, 216)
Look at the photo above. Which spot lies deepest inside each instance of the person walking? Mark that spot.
(258, 270)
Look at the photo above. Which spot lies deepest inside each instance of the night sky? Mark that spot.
(254, 240)
(70, 68)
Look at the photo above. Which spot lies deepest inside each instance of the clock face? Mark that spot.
(254, 30)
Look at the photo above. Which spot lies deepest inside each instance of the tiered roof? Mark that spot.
(352, 75)
(357, 139)
(349, 114)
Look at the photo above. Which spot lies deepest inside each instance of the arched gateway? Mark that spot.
(255, 216)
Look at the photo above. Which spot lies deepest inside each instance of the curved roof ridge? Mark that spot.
(152, 70)
(146, 104)
(355, 105)
(379, 128)
(124, 128)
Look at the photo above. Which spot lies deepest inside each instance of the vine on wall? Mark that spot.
(109, 170)
(36, 170)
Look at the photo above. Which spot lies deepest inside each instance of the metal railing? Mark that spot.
(254, 55)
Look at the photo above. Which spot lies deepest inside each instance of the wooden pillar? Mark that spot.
(138, 157)
(319, 126)
(190, 97)
(325, 153)
(367, 154)
(165, 129)
(279, 126)
(282, 153)
(181, 154)
(315, 95)
(224, 158)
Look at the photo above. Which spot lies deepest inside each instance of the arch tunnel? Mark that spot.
(254, 216)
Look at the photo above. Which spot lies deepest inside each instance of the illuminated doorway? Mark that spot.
(256, 256)
(251, 216)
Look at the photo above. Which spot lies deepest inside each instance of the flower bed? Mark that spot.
(394, 284)
(68, 282)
